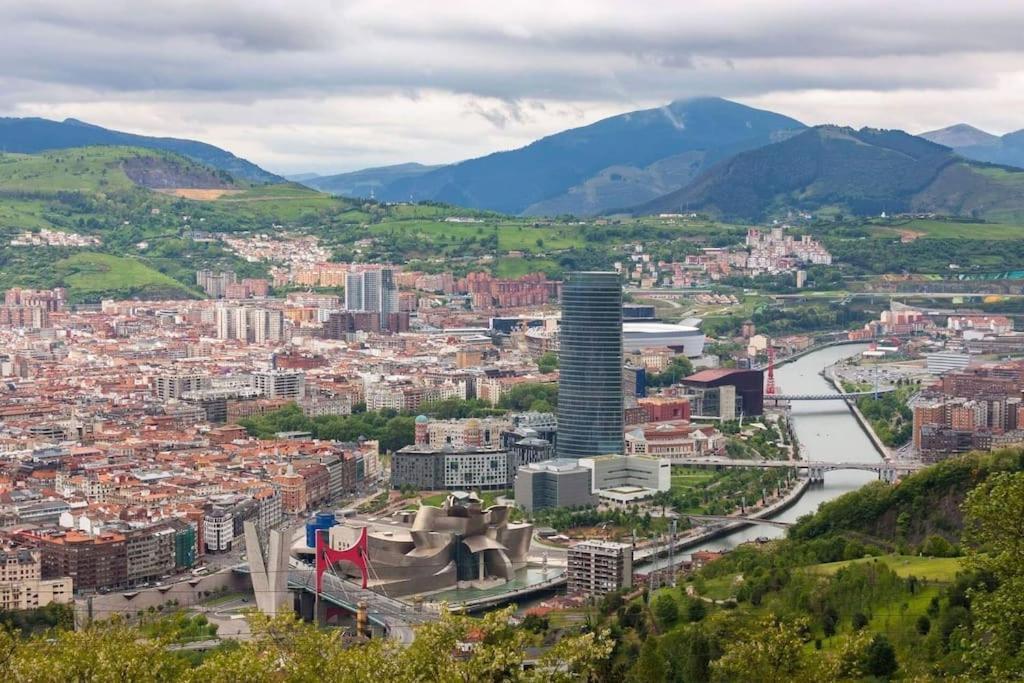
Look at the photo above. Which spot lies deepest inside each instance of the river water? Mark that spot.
(826, 431)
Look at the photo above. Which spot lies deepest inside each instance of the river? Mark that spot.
(826, 430)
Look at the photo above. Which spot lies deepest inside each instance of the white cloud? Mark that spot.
(334, 85)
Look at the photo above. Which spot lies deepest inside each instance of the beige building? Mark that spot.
(21, 582)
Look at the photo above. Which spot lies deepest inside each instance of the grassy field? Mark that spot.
(941, 569)
(89, 275)
(517, 267)
(94, 169)
(936, 229)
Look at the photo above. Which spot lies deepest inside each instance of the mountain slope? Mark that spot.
(863, 171)
(618, 161)
(31, 135)
(978, 145)
(961, 135)
(367, 182)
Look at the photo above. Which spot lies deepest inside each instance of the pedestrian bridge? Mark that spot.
(830, 396)
(815, 469)
(726, 519)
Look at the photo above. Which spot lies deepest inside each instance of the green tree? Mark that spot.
(666, 610)
(994, 535)
(548, 362)
(650, 666)
(880, 658)
(770, 652)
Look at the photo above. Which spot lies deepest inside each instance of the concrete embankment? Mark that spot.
(882, 449)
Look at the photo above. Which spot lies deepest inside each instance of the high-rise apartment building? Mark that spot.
(280, 383)
(599, 567)
(256, 325)
(374, 290)
(590, 397)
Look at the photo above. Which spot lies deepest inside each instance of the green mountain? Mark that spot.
(137, 208)
(863, 172)
(619, 161)
(31, 135)
(978, 145)
(369, 182)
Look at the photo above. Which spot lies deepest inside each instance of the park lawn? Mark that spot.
(90, 274)
(434, 499)
(940, 569)
(684, 478)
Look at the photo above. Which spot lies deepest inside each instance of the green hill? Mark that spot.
(863, 172)
(33, 135)
(139, 205)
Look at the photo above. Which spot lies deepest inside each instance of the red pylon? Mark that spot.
(769, 388)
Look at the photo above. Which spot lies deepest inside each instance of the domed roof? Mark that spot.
(473, 423)
(421, 419)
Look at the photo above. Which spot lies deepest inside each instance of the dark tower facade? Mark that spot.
(590, 366)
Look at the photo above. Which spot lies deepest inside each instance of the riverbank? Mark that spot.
(646, 555)
(865, 425)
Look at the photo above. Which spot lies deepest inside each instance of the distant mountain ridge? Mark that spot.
(864, 171)
(368, 182)
(32, 135)
(976, 144)
(619, 161)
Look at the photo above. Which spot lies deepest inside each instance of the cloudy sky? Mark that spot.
(334, 85)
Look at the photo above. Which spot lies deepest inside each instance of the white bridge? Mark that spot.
(738, 518)
(815, 469)
(829, 396)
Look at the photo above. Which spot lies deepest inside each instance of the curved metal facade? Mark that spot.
(590, 366)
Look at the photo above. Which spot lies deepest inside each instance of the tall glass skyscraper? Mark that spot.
(590, 366)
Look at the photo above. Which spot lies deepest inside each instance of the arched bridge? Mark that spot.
(816, 469)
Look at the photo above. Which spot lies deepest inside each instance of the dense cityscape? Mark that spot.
(450, 343)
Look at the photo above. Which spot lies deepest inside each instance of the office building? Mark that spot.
(449, 468)
(590, 397)
(559, 483)
(725, 394)
(599, 567)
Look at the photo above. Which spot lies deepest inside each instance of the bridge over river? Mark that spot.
(395, 617)
(725, 519)
(816, 469)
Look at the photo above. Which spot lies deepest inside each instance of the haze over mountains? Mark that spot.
(31, 135)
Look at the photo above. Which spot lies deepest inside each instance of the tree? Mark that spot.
(666, 610)
(994, 538)
(771, 652)
(859, 621)
(650, 665)
(880, 658)
(548, 362)
(696, 610)
(923, 625)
